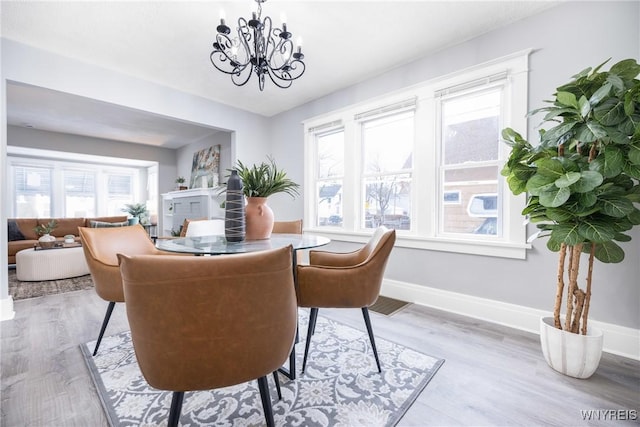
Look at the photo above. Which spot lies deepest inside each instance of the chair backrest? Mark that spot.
(207, 227)
(288, 227)
(101, 246)
(200, 323)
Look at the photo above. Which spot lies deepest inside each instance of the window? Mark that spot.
(330, 170)
(425, 161)
(51, 188)
(80, 193)
(387, 151)
(470, 126)
(119, 191)
(33, 193)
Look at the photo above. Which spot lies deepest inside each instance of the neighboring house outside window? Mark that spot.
(425, 161)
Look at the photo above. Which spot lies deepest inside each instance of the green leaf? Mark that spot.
(618, 207)
(550, 167)
(559, 214)
(634, 217)
(632, 170)
(584, 134)
(600, 94)
(610, 112)
(587, 182)
(568, 99)
(620, 237)
(554, 245)
(627, 69)
(539, 183)
(585, 106)
(554, 197)
(558, 132)
(567, 234)
(587, 199)
(598, 130)
(517, 186)
(613, 161)
(568, 179)
(609, 252)
(596, 231)
(634, 154)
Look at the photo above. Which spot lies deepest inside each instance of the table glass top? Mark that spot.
(218, 245)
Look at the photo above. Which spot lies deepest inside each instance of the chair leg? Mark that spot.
(367, 321)
(176, 408)
(105, 322)
(313, 316)
(263, 385)
(277, 381)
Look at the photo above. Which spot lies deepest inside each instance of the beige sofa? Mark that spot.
(26, 237)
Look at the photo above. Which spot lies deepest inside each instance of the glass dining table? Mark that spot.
(218, 245)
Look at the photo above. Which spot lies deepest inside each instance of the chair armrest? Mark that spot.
(335, 259)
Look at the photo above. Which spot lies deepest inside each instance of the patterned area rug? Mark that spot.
(21, 290)
(340, 387)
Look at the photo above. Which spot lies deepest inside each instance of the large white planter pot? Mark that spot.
(574, 355)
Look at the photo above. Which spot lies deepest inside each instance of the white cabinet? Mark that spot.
(198, 203)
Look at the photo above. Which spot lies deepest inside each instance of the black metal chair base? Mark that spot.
(313, 317)
(105, 322)
(178, 397)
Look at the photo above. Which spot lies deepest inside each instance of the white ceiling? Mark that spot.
(169, 42)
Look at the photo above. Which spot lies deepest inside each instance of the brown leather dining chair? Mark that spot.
(288, 227)
(201, 323)
(101, 246)
(344, 280)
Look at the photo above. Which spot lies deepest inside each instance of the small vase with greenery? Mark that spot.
(180, 181)
(138, 212)
(45, 239)
(582, 179)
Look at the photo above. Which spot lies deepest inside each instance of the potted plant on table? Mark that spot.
(583, 191)
(258, 183)
(45, 239)
(138, 212)
(180, 181)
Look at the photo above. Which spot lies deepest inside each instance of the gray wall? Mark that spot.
(566, 40)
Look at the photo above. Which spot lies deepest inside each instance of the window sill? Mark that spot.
(494, 248)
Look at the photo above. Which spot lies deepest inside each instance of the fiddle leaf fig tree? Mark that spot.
(582, 178)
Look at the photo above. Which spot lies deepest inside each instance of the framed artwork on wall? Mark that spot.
(205, 168)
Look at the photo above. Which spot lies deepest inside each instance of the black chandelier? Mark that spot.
(258, 47)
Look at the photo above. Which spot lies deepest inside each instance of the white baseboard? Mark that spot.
(6, 308)
(618, 340)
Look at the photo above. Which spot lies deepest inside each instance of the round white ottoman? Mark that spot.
(50, 264)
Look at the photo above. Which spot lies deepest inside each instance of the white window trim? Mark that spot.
(424, 233)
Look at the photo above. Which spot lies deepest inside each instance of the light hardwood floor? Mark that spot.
(493, 375)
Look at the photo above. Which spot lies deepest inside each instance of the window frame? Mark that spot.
(513, 69)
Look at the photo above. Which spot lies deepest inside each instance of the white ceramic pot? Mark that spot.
(574, 355)
(46, 241)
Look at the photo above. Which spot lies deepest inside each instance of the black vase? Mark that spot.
(234, 220)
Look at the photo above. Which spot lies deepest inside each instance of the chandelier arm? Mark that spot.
(236, 77)
(282, 83)
(294, 71)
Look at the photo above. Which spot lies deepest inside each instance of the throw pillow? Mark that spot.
(14, 232)
(103, 224)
